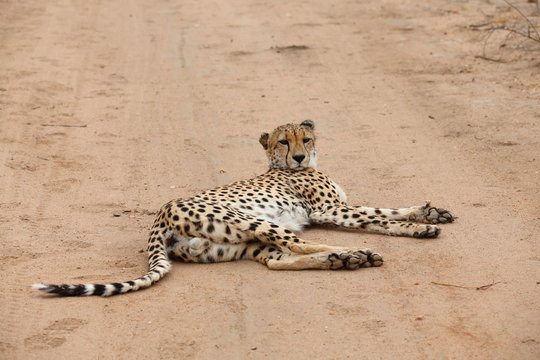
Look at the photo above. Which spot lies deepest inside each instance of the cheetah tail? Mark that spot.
(159, 266)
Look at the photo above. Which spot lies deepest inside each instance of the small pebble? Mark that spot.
(253, 348)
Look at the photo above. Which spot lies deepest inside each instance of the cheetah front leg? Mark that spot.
(382, 221)
(426, 214)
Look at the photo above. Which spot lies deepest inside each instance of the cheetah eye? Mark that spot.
(284, 142)
(306, 140)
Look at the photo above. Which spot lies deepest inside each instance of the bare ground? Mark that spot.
(169, 97)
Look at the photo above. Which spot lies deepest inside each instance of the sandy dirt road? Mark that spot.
(166, 98)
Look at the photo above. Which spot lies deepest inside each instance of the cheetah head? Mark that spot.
(291, 146)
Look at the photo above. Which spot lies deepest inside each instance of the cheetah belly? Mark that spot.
(293, 218)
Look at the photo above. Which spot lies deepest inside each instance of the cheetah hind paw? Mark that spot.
(355, 259)
(195, 248)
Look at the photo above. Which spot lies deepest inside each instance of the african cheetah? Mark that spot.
(256, 219)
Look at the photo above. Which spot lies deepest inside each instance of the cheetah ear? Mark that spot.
(308, 123)
(264, 140)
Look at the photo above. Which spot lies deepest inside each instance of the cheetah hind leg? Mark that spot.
(274, 257)
(327, 260)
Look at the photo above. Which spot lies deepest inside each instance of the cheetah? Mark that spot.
(256, 219)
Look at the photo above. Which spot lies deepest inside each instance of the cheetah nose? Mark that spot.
(299, 158)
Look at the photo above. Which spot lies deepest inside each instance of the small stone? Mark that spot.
(420, 317)
(431, 116)
(253, 348)
(116, 215)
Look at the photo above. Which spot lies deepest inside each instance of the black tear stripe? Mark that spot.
(287, 156)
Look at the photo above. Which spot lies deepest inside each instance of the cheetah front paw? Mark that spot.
(433, 215)
(427, 231)
(354, 259)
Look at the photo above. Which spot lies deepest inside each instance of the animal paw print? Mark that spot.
(53, 335)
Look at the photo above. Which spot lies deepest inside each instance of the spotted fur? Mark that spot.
(256, 219)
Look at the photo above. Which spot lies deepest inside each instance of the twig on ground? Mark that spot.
(66, 125)
(531, 25)
(483, 287)
(475, 26)
(490, 59)
(530, 33)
